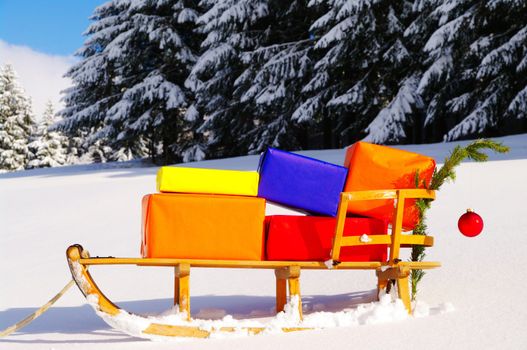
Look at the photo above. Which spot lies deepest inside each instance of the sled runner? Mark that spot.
(287, 272)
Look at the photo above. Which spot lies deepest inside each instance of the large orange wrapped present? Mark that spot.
(375, 167)
(198, 226)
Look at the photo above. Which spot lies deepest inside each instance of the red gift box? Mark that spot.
(310, 238)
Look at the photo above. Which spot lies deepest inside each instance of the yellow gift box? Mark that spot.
(212, 181)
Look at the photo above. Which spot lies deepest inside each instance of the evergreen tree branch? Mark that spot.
(472, 151)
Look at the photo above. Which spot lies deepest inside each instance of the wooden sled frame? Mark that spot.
(287, 273)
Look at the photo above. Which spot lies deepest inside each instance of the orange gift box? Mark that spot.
(375, 167)
(198, 226)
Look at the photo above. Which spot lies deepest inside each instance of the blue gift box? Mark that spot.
(301, 182)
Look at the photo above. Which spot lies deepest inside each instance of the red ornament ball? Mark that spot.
(470, 224)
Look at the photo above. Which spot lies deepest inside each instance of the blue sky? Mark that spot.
(49, 26)
(38, 39)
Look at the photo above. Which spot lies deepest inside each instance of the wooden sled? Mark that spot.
(287, 272)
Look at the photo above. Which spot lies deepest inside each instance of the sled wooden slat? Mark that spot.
(388, 194)
(420, 265)
(176, 331)
(405, 240)
(397, 227)
(409, 240)
(242, 264)
(314, 265)
(195, 332)
(373, 239)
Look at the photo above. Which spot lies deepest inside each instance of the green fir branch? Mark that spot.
(472, 151)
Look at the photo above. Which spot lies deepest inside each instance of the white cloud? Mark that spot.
(40, 74)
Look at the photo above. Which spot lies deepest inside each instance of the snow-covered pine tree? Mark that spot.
(475, 82)
(425, 18)
(393, 122)
(271, 84)
(154, 107)
(74, 149)
(364, 71)
(47, 148)
(93, 91)
(16, 121)
(231, 27)
(128, 90)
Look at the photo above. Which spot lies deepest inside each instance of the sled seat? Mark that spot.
(287, 272)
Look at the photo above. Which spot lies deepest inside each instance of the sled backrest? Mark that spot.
(395, 240)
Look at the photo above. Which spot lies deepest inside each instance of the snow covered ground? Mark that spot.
(43, 211)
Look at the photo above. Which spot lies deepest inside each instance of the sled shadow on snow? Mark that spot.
(83, 320)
